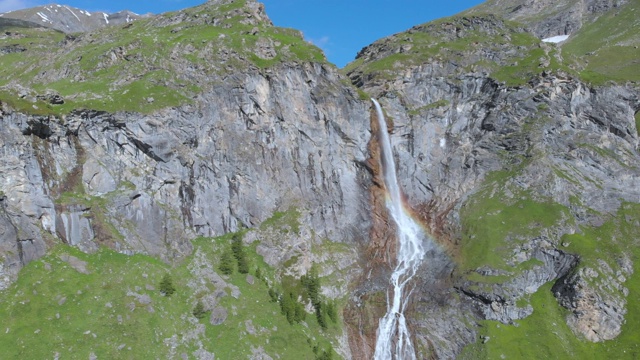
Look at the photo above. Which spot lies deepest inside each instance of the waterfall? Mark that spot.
(394, 339)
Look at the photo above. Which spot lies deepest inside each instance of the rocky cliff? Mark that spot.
(150, 183)
(519, 161)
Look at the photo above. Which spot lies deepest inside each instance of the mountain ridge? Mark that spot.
(71, 20)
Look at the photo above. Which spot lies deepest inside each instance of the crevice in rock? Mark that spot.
(145, 148)
(485, 299)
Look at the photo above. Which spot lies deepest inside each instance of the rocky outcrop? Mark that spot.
(594, 298)
(499, 301)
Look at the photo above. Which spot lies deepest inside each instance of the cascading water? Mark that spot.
(394, 340)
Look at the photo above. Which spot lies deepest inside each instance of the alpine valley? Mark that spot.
(201, 184)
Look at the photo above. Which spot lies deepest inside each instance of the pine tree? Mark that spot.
(332, 311)
(288, 307)
(321, 316)
(236, 245)
(312, 283)
(226, 263)
(326, 355)
(300, 313)
(166, 285)
(239, 254)
(243, 264)
(273, 295)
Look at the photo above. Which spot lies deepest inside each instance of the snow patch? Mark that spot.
(106, 17)
(443, 142)
(556, 39)
(72, 13)
(44, 17)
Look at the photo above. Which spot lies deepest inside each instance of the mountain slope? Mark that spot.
(609, 47)
(547, 18)
(603, 34)
(169, 137)
(149, 64)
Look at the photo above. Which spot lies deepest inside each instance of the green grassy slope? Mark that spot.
(479, 43)
(115, 309)
(609, 48)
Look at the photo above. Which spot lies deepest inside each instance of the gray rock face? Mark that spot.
(8, 245)
(498, 302)
(75, 227)
(77, 264)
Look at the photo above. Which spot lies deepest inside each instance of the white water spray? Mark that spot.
(394, 339)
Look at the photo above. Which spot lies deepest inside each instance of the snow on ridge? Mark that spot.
(106, 17)
(556, 39)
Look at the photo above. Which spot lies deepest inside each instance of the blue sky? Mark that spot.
(340, 27)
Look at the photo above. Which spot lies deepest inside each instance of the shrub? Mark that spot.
(199, 311)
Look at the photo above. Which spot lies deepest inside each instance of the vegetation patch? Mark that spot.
(533, 62)
(545, 334)
(284, 220)
(433, 105)
(494, 223)
(138, 307)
